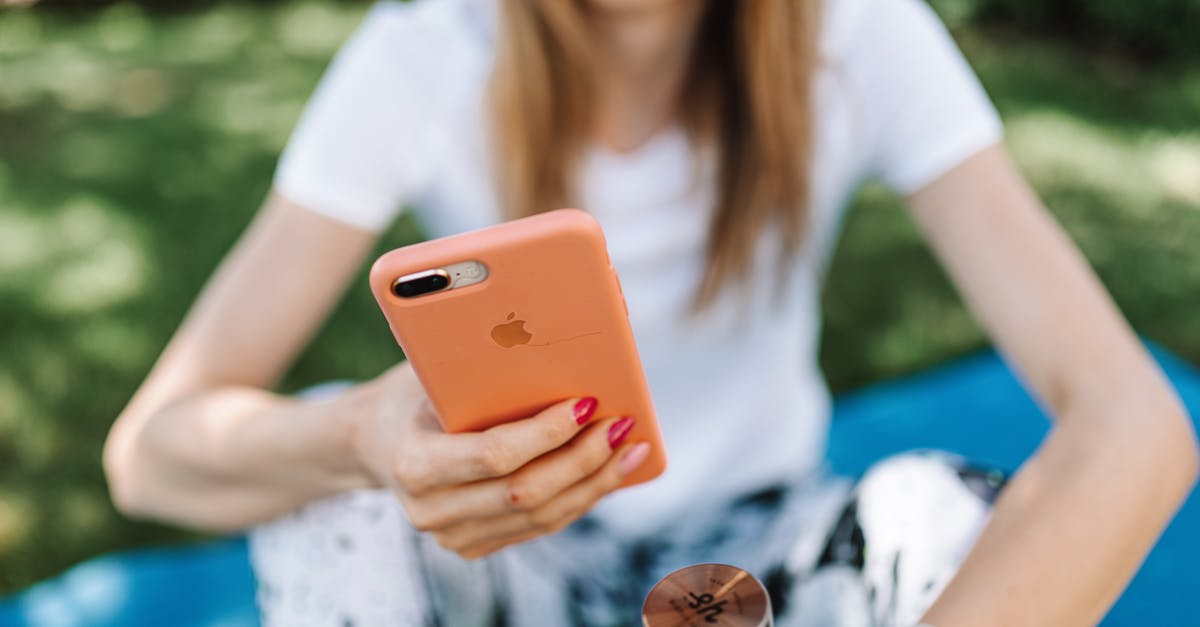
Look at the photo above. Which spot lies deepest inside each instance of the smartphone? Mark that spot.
(502, 322)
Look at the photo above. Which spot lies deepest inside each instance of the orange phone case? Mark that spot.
(548, 274)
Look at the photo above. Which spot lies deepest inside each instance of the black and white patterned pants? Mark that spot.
(875, 553)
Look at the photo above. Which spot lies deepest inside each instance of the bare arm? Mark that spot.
(200, 442)
(1079, 517)
(204, 445)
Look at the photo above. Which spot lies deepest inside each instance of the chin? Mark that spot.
(633, 6)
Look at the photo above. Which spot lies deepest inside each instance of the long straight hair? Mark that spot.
(747, 94)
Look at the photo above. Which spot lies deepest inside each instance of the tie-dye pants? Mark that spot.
(832, 552)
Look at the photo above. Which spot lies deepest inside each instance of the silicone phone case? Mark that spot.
(548, 275)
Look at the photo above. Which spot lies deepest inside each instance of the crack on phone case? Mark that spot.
(565, 339)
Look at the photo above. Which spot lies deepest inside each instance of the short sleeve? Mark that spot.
(359, 151)
(925, 111)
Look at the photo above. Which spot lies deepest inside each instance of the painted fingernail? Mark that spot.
(634, 458)
(584, 409)
(619, 431)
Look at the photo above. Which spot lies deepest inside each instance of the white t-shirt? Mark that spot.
(398, 120)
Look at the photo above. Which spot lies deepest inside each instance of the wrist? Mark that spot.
(343, 421)
(371, 418)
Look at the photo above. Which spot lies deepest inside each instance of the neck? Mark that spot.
(642, 44)
(644, 55)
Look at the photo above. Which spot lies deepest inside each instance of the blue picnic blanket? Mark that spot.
(973, 406)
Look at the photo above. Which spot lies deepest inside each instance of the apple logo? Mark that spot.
(510, 334)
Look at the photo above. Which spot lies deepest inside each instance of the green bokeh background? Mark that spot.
(136, 143)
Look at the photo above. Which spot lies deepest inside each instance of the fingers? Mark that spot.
(448, 459)
(483, 550)
(526, 489)
(539, 482)
(477, 537)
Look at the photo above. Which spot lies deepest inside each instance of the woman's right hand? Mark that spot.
(480, 492)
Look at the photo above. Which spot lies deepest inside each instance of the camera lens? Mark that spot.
(421, 283)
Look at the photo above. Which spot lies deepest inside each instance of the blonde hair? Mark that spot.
(747, 94)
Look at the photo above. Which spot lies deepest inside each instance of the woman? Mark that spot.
(717, 143)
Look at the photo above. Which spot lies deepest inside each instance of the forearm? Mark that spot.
(1077, 520)
(226, 458)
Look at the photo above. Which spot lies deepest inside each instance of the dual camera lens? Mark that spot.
(448, 277)
(409, 287)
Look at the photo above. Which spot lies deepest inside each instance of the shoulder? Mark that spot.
(434, 18)
(919, 105)
(369, 136)
(425, 33)
(411, 60)
(856, 28)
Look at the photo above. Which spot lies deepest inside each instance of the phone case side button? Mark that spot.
(620, 292)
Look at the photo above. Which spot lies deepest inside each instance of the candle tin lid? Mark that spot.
(705, 595)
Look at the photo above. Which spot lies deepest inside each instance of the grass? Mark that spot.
(134, 147)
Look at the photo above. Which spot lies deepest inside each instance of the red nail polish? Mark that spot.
(584, 409)
(619, 431)
(634, 458)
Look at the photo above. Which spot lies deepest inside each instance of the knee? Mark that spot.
(914, 488)
(902, 470)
